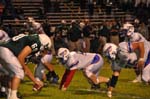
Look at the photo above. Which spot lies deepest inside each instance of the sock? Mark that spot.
(8, 94)
(13, 94)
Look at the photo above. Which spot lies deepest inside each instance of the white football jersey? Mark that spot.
(47, 58)
(125, 58)
(125, 54)
(79, 60)
(137, 37)
(3, 36)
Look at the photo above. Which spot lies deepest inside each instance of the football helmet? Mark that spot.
(63, 53)
(128, 29)
(110, 50)
(45, 42)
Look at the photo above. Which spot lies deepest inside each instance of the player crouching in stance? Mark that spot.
(124, 56)
(88, 63)
(12, 58)
(138, 42)
(43, 61)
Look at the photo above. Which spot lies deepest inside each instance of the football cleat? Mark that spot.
(109, 94)
(95, 86)
(49, 77)
(137, 79)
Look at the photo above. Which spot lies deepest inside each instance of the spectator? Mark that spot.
(1, 11)
(57, 6)
(87, 30)
(62, 30)
(40, 13)
(90, 7)
(74, 37)
(114, 33)
(103, 34)
(47, 5)
(143, 29)
(19, 13)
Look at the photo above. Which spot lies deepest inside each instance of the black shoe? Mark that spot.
(19, 95)
(49, 77)
(95, 86)
(3, 95)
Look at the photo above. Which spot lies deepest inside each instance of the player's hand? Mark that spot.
(38, 86)
(109, 94)
(140, 64)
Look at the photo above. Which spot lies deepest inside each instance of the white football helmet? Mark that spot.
(110, 50)
(45, 41)
(128, 28)
(63, 53)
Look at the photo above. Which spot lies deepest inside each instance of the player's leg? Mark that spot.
(146, 74)
(39, 71)
(112, 83)
(92, 73)
(11, 64)
(66, 79)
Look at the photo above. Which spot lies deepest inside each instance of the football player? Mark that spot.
(13, 54)
(120, 57)
(3, 73)
(137, 39)
(45, 56)
(43, 62)
(88, 63)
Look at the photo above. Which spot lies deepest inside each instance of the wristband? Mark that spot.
(141, 59)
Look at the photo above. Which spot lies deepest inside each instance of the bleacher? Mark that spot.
(68, 12)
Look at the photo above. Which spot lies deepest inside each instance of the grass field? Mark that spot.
(78, 88)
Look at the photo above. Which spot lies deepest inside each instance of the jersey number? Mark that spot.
(16, 38)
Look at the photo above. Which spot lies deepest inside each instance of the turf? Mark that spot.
(80, 89)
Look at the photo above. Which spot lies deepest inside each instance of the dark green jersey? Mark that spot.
(19, 42)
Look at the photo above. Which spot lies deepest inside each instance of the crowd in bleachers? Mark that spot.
(81, 34)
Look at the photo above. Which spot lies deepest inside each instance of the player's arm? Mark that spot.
(49, 66)
(140, 47)
(21, 57)
(46, 59)
(66, 79)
